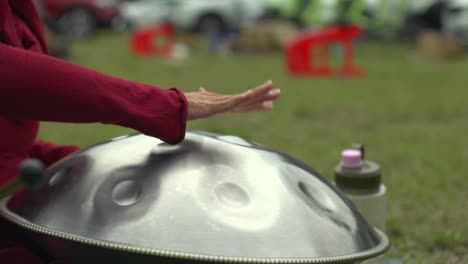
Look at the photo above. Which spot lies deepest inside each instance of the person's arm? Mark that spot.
(38, 87)
(49, 153)
(11, 250)
(16, 253)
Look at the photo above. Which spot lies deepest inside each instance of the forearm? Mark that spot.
(49, 153)
(38, 87)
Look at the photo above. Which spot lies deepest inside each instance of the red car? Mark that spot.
(80, 18)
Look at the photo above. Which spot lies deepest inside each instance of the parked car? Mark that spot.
(80, 18)
(456, 19)
(192, 15)
(450, 16)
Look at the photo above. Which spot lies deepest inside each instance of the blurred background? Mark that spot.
(408, 104)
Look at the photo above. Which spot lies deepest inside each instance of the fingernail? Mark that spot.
(274, 92)
(269, 82)
(268, 104)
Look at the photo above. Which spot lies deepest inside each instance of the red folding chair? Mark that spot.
(154, 40)
(300, 52)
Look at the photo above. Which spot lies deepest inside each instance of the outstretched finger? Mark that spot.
(261, 106)
(272, 95)
(259, 90)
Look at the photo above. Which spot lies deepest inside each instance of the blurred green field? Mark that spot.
(411, 114)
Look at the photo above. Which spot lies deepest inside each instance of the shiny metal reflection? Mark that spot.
(209, 198)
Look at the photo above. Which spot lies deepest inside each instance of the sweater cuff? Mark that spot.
(163, 114)
(179, 135)
(156, 112)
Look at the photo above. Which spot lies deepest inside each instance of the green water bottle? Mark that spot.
(361, 181)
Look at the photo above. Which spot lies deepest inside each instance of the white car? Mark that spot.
(197, 15)
(456, 19)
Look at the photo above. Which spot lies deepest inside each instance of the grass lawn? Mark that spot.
(410, 113)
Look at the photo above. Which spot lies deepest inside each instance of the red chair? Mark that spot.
(155, 40)
(300, 52)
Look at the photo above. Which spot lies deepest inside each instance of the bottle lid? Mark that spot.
(351, 159)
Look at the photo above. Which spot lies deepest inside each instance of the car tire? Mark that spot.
(78, 23)
(209, 23)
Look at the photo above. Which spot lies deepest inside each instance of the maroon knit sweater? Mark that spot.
(36, 87)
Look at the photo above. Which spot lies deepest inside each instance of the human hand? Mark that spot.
(203, 104)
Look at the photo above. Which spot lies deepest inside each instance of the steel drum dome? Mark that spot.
(211, 198)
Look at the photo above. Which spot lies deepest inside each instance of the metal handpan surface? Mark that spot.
(211, 198)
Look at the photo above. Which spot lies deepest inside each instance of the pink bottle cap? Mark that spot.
(351, 159)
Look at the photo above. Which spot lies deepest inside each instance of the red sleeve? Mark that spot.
(11, 250)
(18, 254)
(38, 87)
(49, 153)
